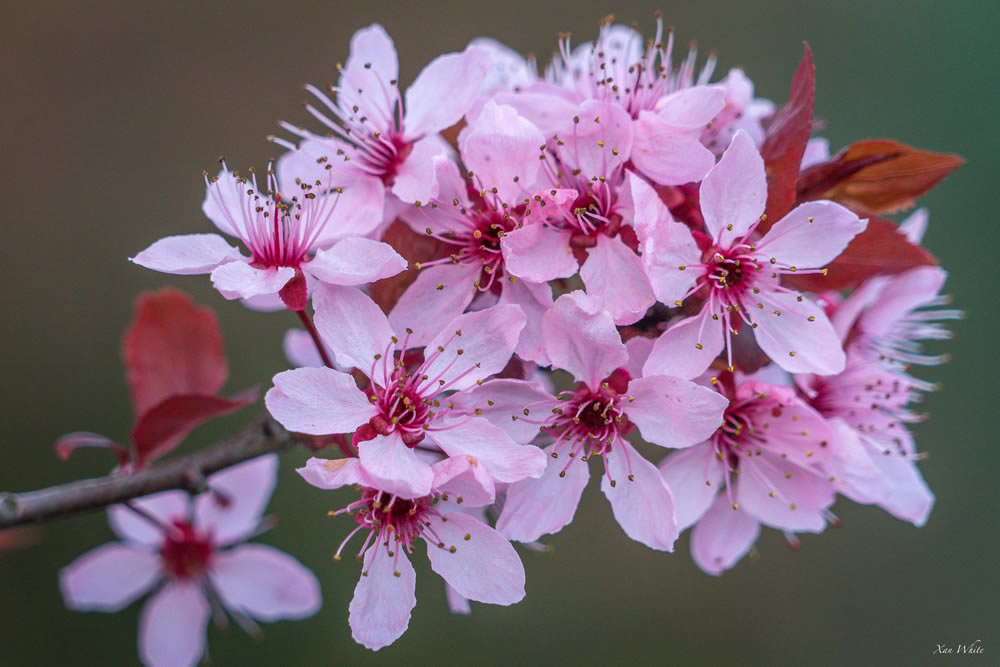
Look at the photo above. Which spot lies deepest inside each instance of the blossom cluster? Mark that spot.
(513, 273)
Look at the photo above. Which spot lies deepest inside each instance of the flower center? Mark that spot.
(186, 552)
(591, 420)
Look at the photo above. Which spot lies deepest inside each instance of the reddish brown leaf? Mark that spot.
(414, 248)
(172, 347)
(163, 426)
(879, 250)
(877, 176)
(785, 142)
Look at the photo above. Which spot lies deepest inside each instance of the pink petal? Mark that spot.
(600, 142)
(380, 609)
(536, 507)
(187, 254)
(791, 339)
(694, 477)
(668, 155)
(806, 490)
(356, 261)
(851, 468)
(245, 491)
(799, 434)
(677, 352)
(503, 458)
(351, 325)
(817, 151)
(318, 401)
(239, 280)
(366, 76)
(638, 348)
(722, 537)
(640, 499)
(394, 467)
(444, 90)
(668, 247)
(500, 131)
(317, 159)
(734, 191)
(172, 626)
(487, 341)
(581, 338)
(333, 473)
(902, 294)
(647, 209)
(909, 496)
(674, 413)
(915, 226)
(549, 107)
(425, 309)
(484, 566)
(615, 277)
(415, 180)
(109, 577)
(534, 299)
(538, 253)
(692, 108)
(501, 399)
(225, 198)
(456, 603)
(265, 583)
(165, 506)
(812, 235)
(464, 480)
(300, 350)
(358, 211)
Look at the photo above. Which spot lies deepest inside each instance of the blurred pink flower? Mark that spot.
(475, 560)
(191, 554)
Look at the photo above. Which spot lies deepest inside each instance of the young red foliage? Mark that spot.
(787, 134)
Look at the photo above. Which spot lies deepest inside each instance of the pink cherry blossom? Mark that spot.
(475, 560)
(293, 239)
(472, 217)
(191, 553)
(593, 420)
(379, 135)
(760, 467)
(739, 275)
(406, 403)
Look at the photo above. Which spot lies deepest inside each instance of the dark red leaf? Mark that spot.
(877, 176)
(785, 141)
(414, 248)
(294, 294)
(172, 347)
(163, 426)
(879, 250)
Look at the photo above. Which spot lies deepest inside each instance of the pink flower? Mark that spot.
(380, 136)
(191, 554)
(476, 562)
(292, 238)
(739, 275)
(405, 403)
(474, 219)
(759, 467)
(667, 108)
(593, 420)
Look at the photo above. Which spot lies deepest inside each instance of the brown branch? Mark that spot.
(187, 473)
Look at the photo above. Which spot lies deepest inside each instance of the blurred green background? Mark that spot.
(111, 110)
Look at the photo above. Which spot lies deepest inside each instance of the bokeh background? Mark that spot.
(109, 112)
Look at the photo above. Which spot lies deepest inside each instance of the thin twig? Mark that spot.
(187, 473)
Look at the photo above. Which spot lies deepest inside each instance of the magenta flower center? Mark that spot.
(479, 244)
(186, 552)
